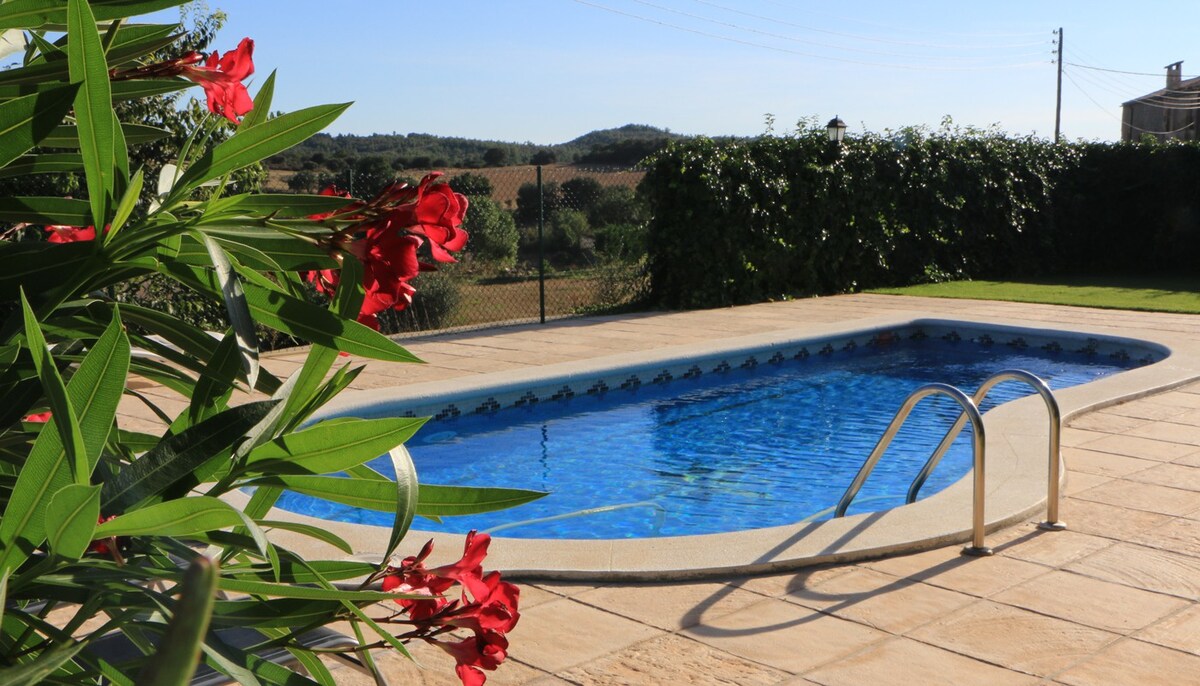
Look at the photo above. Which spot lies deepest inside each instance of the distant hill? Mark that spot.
(622, 146)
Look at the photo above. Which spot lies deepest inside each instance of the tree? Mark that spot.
(617, 205)
(543, 157)
(302, 182)
(493, 232)
(472, 185)
(581, 192)
(528, 199)
(495, 157)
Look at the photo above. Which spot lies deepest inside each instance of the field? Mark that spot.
(1163, 293)
(506, 180)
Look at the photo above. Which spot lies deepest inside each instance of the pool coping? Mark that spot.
(1016, 468)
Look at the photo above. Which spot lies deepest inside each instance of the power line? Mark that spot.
(892, 27)
(769, 34)
(1120, 71)
(830, 58)
(861, 37)
(1123, 124)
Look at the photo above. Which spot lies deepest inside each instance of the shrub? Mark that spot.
(493, 232)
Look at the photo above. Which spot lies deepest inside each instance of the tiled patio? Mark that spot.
(1115, 599)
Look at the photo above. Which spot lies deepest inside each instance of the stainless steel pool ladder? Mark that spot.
(971, 412)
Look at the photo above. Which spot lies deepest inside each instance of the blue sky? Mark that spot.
(547, 71)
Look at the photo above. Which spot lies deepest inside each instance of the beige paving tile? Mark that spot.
(976, 576)
(1178, 535)
(1177, 399)
(1143, 496)
(1141, 567)
(1171, 474)
(1079, 437)
(784, 635)
(1078, 482)
(562, 633)
(778, 585)
(1103, 464)
(1108, 423)
(435, 667)
(1180, 631)
(1107, 520)
(1052, 548)
(672, 660)
(904, 661)
(880, 600)
(1192, 460)
(1140, 447)
(1018, 639)
(1135, 663)
(1148, 409)
(670, 606)
(1099, 604)
(1169, 432)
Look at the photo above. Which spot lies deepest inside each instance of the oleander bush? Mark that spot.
(113, 528)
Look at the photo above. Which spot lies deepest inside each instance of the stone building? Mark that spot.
(1170, 112)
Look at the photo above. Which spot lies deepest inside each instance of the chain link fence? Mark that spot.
(546, 242)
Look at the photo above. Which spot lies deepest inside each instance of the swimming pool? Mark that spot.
(653, 428)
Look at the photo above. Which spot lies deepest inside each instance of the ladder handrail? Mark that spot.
(977, 444)
(1054, 415)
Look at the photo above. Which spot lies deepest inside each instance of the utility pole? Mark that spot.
(1058, 100)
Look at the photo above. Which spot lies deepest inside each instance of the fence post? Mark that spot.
(541, 249)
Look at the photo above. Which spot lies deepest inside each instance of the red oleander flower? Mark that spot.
(70, 234)
(475, 654)
(488, 607)
(221, 78)
(106, 546)
(330, 190)
(437, 214)
(38, 418)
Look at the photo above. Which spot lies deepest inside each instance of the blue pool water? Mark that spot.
(722, 452)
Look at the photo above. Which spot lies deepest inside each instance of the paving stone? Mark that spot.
(976, 576)
(1148, 409)
(1079, 437)
(1078, 482)
(1166, 431)
(673, 660)
(1135, 663)
(1143, 496)
(1141, 567)
(1052, 548)
(1018, 639)
(563, 633)
(1178, 535)
(784, 635)
(1172, 474)
(1180, 631)
(778, 585)
(904, 661)
(1108, 521)
(1099, 604)
(670, 606)
(1108, 423)
(1103, 464)
(880, 600)
(1139, 446)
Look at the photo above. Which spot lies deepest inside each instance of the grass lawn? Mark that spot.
(1151, 293)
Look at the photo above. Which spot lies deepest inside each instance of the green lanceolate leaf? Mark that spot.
(47, 663)
(323, 535)
(235, 305)
(28, 120)
(407, 495)
(262, 105)
(31, 14)
(448, 501)
(56, 163)
(281, 205)
(71, 520)
(177, 457)
(282, 312)
(178, 652)
(38, 210)
(436, 501)
(63, 417)
(69, 136)
(93, 106)
(271, 590)
(95, 389)
(214, 387)
(257, 143)
(336, 444)
(125, 207)
(183, 517)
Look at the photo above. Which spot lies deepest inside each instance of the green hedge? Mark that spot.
(746, 221)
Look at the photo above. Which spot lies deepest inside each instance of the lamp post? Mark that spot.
(836, 128)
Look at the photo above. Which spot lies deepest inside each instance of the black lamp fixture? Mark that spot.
(836, 129)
